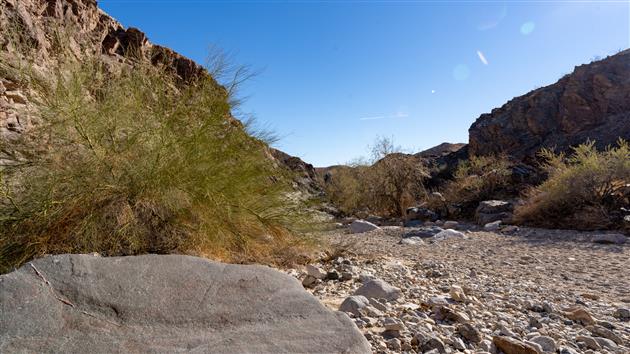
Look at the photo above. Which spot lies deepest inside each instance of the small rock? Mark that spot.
(332, 275)
(445, 313)
(459, 344)
(493, 226)
(469, 332)
(411, 241)
(547, 344)
(315, 272)
(605, 343)
(513, 346)
(487, 346)
(361, 226)
(534, 322)
(378, 289)
(622, 314)
(434, 343)
(494, 207)
(422, 214)
(567, 350)
(353, 304)
(600, 331)
(504, 331)
(579, 314)
(437, 301)
(370, 311)
(590, 296)
(457, 294)
(589, 341)
(448, 234)
(450, 224)
(394, 344)
(392, 324)
(536, 346)
(381, 305)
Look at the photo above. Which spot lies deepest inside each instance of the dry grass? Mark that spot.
(585, 190)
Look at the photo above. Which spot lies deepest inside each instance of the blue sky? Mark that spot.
(336, 74)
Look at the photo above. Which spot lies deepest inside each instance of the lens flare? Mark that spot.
(527, 28)
(461, 72)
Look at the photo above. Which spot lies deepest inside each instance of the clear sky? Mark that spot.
(335, 74)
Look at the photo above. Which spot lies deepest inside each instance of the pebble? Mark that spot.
(482, 294)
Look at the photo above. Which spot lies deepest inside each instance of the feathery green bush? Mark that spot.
(132, 161)
(585, 190)
(477, 179)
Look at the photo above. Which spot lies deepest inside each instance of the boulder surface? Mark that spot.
(168, 303)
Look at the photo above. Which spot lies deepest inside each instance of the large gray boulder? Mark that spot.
(164, 304)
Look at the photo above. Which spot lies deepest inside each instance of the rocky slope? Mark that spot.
(593, 103)
(442, 161)
(33, 32)
(306, 178)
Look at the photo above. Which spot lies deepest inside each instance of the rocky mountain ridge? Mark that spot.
(593, 102)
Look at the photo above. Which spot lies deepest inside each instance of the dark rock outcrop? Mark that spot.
(167, 304)
(442, 161)
(493, 210)
(441, 150)
(592, 103)
(305, 176)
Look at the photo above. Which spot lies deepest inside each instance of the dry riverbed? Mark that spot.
(526, 291)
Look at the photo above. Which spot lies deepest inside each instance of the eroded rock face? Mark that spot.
(171, 304)
(593, 103)
(305, 175)
(38, 29)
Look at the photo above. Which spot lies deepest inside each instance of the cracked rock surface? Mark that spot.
(165, 304)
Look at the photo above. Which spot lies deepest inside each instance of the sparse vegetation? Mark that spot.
(387, 187)
(476, 179)
(132, 162)
(585, 190)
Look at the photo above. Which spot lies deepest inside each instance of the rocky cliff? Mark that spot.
(306, 178)
(33, 32)
(593, 103)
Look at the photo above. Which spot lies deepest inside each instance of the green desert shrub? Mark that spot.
(132, 161)
(393, 182)
(585, 190)
(345, 189)
(477, 179)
